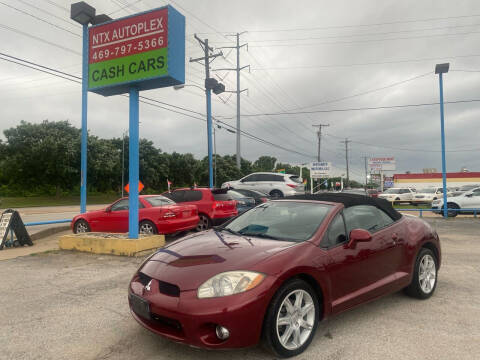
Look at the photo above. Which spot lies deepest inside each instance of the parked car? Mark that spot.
(274, 272)
(258, 196)
(398, 195)
(244, 203)
(467, 200)
(427, 195)
(358, 191)
(373, 192)
(275, 184)
(156, 215)
(214, 206)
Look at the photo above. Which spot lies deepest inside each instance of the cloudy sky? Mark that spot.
(313, 57)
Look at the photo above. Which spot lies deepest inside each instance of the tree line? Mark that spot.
(44, 159)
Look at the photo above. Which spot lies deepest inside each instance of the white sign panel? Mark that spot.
(320, 169)
(382, 164)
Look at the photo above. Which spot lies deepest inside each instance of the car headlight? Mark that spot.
(229, 283)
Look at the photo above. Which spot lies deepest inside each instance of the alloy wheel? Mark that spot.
(81, 227)
(427, 274)
(295, 319)
(146, 228)
(203, 223)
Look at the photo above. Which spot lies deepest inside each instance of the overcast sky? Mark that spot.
(304, 56)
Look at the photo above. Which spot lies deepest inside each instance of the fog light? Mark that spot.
(222, 332)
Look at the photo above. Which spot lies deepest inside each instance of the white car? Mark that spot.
(469, 200)
(427, 195)
(275, 184)
(398, 195)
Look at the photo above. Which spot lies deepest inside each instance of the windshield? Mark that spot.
(281, 220)
(426, 191)
(235, 195)
(392, 191)
(296, 179)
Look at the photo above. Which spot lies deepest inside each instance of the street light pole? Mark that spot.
(441, 69)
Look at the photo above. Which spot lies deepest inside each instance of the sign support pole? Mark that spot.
(444, 166)
(133, 165)
(84, 138)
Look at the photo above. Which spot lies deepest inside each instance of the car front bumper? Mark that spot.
(193, 321)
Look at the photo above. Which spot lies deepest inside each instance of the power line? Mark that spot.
(358, 109)
(296, 44)
(309, 67)
(365, 25)
(364, 34)
(57, 5)
(69, 22)
(72, 78)
(39, 18)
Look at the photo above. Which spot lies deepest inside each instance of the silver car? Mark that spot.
(275, 184)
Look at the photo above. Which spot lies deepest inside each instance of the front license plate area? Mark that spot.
(140, 306)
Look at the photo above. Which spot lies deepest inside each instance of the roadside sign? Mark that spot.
(145, 50)
(10, 220)
(320, 169)
(382, 164)
(140, 187)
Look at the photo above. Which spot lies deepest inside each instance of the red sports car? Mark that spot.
(156, 215)
(273, 272)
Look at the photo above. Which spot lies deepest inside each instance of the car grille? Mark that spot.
(168, 289)
(163, 287)
(166, 322)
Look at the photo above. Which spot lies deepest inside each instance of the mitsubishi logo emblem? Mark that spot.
(147, 287)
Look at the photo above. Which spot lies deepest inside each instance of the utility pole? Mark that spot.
(238, 69)
(210, 84)
(366, 174)
(319, 134)
(346, 142)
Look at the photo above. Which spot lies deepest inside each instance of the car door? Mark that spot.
(471, 200)
(117, 217)
(248, 182)
(367, 269)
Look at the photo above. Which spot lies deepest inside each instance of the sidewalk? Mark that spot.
(46, 244)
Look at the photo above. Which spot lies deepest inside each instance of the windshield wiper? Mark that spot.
(261, 235)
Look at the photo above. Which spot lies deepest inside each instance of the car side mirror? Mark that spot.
(108, 209)
(469, 195)
(358, 235)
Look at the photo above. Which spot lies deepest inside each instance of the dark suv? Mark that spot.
(215, 206)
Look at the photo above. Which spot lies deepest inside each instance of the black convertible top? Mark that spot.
(351, 200)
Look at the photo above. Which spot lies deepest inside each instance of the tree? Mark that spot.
(264, 163)
(43, 155)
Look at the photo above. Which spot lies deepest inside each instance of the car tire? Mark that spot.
(276, 194)
(298, 319)
(146, 227)
(81, 226)
(204, 223)
(451, 213)
(424, 280)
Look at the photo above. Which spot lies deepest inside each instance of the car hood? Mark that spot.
(191, 261)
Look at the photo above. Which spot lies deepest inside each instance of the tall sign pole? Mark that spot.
(133, 164)
(139, 52)
(441, 69)
(83, 156)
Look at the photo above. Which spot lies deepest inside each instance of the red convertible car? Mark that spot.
(273, 272)
(156, 215)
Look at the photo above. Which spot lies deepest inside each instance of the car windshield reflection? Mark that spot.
(281, 220)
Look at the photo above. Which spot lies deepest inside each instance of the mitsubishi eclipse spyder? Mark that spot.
(271, 274)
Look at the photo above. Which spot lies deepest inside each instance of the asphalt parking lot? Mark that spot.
(67, 305)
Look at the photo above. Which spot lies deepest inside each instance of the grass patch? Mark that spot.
(409, 206)
(20, 202)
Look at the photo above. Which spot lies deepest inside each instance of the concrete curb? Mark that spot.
(112, 244)
(47, 232)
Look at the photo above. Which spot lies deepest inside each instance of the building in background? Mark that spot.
(454, 179)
